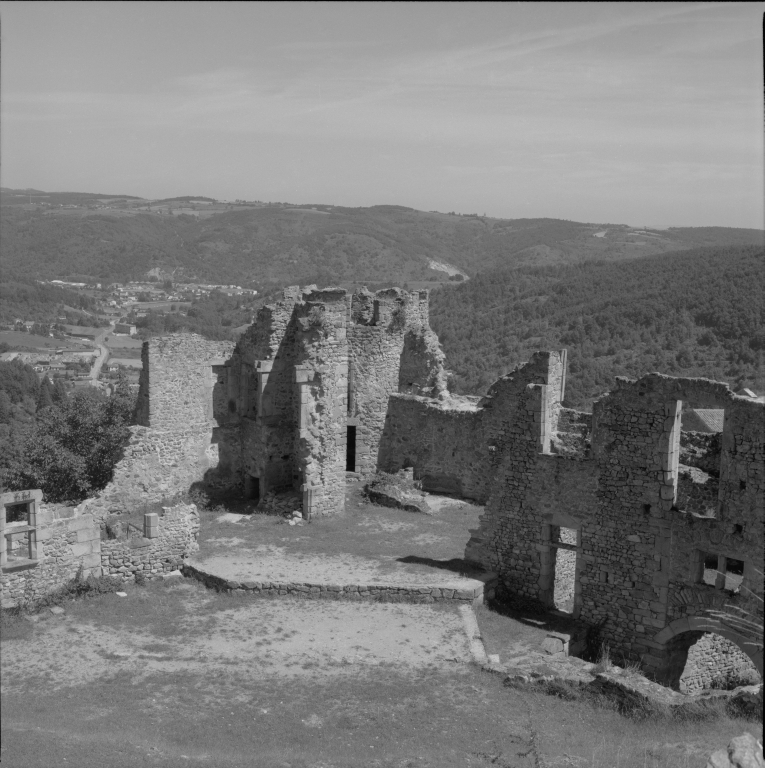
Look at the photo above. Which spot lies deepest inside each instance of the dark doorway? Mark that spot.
(350, 451)
(252, 487)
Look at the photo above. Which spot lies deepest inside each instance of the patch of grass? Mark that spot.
(604, 663)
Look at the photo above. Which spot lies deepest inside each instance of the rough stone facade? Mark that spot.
(170, 452)
(309, 386)
(71, 543)
(714, 662)
(650, 535)
(66, 542)
(171, 449)
(602, 499)
(174, 539)
(647, 526)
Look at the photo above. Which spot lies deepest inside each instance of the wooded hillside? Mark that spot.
(695, 313)
(282, 245)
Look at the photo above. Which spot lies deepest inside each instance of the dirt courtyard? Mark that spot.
(173, 674)
(365, 544)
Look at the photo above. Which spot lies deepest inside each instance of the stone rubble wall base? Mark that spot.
(373, 593)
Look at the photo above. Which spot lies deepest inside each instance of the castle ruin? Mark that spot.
(661, 529)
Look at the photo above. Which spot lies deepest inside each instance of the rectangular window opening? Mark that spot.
(16, 513)
(734, 575)
(20, 534)
(350, 450)
(709, 574)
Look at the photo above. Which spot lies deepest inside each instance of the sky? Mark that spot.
(642, 114)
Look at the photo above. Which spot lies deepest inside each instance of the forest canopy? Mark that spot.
(694, 313)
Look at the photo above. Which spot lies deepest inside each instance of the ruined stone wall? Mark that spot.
(455, 444)
(516, 425)
(715, 662)
(321, 411)
(334, 361)
(260, 421)
(529, 493)
(180, 380)
(391, 349)
(174, 450)
(444, 442)
(643, 531)
(375, 342)
(67, 541)
(176, 539)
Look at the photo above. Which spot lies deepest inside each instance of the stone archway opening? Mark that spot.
(713, 661)
(700, 652)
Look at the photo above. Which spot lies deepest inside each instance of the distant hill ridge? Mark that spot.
(277, 244)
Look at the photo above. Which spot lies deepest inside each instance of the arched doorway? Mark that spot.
(678, 637)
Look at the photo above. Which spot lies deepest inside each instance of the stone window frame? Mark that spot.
(721, 571)
(32, 498)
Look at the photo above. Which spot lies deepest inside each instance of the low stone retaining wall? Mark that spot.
(383, 593)
(176, 539)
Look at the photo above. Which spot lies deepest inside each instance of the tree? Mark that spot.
(72, 449)
(59, 394)
(167, 286)
(45, 395)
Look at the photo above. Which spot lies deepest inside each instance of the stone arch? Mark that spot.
(677, 638)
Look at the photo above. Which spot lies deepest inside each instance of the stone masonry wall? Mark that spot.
(321, 373)
(67, 541)
(633, 503)
(334, 360)
(444, 442)
(391, 349)
(714, 662)
(643, 536)
(178, 531)
(172, 450)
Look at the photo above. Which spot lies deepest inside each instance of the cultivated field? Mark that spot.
(31, 341)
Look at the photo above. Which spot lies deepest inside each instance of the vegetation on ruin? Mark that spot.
(64, 443)
(694, 313)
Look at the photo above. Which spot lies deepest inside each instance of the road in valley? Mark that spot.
(103, 356)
